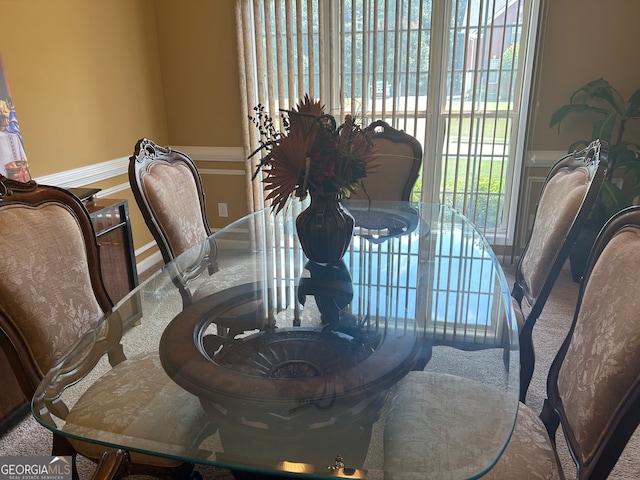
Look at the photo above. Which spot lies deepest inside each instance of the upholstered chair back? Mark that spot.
(568, 194)
(595, 380)
(51, 289)
(168, 190)
(181, 221)
(559, 202)
(51, 295)
(399, 156)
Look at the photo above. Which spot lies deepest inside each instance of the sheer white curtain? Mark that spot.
(453, 73)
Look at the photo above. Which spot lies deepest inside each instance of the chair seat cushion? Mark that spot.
(419, 436)
(109, 411)
(456, 430)
(529, 454)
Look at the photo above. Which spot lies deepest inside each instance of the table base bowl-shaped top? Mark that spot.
(278, 370)
(290, 383)
(293, 353)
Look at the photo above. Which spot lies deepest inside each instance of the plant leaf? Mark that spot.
(634, 105)
(560, 114)
(621, 156)
(601, 89)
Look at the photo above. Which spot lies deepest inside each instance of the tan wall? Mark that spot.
(199, 64)
(84, 76)
(86, 82)
(583, 40)
(197, 42)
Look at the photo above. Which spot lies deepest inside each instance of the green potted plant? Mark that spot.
(612, 113)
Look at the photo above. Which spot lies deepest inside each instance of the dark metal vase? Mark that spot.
(325, 228)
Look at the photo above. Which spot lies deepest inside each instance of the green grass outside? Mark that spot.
(482, 194)
(489, 129)
(458, 180)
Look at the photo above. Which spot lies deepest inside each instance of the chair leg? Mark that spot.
(114, 464)
(62, 448)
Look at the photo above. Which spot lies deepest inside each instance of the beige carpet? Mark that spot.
(29, 438)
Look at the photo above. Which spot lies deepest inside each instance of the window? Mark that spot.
(453, 73)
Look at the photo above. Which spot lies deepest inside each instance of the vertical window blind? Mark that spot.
(455, 74)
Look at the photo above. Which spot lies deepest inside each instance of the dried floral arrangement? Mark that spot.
(312, 154)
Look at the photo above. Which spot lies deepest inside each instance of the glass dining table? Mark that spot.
(293, 364)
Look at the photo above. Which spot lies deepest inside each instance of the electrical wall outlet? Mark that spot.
(222, 210)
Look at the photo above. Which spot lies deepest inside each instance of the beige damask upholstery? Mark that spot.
(530, 455)
(155, 394)
(567, 196)
(593, 386)
(51, 293)
(168, 190)
(400, 156)
(173, 198)
(559, 202)
(457, 424)
(51, 307)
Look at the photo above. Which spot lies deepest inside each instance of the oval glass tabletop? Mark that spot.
(275, 364)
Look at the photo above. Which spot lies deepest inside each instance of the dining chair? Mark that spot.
(593, 384)
(567, 197)
(51, 293)
(399, 157)
(168, 191)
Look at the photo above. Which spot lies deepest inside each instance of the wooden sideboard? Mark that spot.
(113, 230)
(117, 257)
